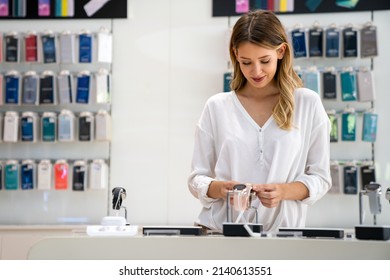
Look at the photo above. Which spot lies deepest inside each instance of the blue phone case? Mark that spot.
(83, 89)
(49, 49)
(12, 89)
(27, 177)
(299, 43)
(27, 129)
(332, 42)
(85, 48)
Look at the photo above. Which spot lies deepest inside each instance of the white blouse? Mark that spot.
(231, 146)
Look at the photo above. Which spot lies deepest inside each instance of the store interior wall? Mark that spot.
(169, 58)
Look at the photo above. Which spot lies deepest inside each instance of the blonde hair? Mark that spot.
(264, 29)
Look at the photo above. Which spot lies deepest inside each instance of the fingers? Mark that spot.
(268, 195)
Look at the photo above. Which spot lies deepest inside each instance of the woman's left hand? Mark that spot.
(270, 195)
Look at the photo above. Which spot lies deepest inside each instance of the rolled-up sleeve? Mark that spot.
(203, 162)
(317, 170)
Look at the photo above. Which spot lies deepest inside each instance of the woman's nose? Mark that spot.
(257, 69)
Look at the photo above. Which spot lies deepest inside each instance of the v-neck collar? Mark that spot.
(247, 115)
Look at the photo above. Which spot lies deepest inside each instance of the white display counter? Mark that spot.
(206, 247)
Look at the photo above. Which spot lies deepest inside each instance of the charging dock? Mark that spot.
(237, 229)
(372, 232)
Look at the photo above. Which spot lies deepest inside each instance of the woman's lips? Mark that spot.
(258, 80)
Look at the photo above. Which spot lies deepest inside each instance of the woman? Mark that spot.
(268, 131)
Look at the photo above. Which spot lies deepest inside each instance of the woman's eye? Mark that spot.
(265, 62)
(246, 63)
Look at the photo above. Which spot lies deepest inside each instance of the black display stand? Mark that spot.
(112, 9)
(228, 7)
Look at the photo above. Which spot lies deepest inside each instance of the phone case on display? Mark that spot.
(312, 81)
(67, 47)
(11, 48)
(31, 48)
(227, 77)
(349, 127)
(299, 43)
(365, 86)
(12, 88)
(44, 8)
(348, 86)
(27, 124)
(315, 42)
(350, 43)
(370, 124)
(61, 173)
(103, 87)
(367, 173)
(86, 124)
(64, 83)
(66, 126)
(4, 8)
(332, 42)
(49, 127)
(368, 41)
(334, 128)
(30, 89)
(11, 175)
(27, 170)
(1, 89)
(46, 89)
(102, 126)
(1, 175)
(98, 175)
(329, 85)
(336, 180)
(49, 48)
(350, 180)
(85, 48)
(79, 176)
(45, 175)
(1, 46)
(19, 8)
(11, 127)
(83, 89)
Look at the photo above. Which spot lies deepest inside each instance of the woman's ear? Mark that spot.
(281, 50)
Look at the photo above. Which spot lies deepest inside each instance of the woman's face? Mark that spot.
(258, 64)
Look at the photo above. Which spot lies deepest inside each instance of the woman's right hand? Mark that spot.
(219, 189)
